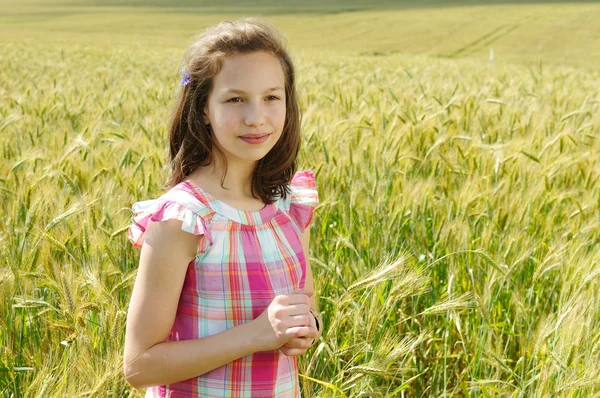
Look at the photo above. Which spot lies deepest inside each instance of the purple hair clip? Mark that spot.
(185, 80)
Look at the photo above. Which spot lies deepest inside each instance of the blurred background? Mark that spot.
(552, 31)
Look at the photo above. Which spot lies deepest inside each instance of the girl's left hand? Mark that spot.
(299, 345)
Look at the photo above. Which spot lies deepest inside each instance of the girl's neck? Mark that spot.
(237, 183)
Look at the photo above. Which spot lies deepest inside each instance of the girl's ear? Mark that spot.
(205, 115)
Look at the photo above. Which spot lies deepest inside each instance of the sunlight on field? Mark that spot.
(548, 31)
(455, 247)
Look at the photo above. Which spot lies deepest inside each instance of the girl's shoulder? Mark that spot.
(302, 200)
(178, 203)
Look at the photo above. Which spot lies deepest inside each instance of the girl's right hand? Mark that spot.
(285, 318)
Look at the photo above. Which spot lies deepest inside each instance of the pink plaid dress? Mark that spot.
(244, 260)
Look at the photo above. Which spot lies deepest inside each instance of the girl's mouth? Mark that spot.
(255, 139)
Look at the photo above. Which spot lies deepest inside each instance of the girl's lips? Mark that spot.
(256, 139)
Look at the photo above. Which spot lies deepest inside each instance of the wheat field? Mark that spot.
(456, 246)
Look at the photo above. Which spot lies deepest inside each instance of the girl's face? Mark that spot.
(247, 98)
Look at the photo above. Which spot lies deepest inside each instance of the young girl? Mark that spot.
(223, 300)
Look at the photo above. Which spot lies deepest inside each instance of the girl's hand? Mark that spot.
(287, 317)
(299, 345)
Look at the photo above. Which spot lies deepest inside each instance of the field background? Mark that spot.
(456, 245)
(561, 32)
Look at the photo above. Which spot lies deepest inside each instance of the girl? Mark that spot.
(223, 300)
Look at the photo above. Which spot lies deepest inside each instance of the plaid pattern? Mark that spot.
(244, 260)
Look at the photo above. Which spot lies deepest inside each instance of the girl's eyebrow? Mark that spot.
(236, 91)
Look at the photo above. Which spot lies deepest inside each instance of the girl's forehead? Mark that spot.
(257, 70)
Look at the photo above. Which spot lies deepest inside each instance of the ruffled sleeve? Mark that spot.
(171, 206)
(303, 199)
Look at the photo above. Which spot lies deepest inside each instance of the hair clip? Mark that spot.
(185, 80)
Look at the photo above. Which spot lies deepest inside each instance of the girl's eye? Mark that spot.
(235, 99)
(272, 98)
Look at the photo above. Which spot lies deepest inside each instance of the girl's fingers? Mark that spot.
(295, 298)
(299, 320)
(299, 331)
(302, 331)
(297, 346)
(308, 293)
(299, 342)
(296, 309)
(292, 352)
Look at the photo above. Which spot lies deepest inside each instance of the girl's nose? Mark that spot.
(255, 114)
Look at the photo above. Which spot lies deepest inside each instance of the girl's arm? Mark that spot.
(148, 359)
(309, 282)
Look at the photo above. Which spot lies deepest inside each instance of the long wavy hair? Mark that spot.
(190, 140)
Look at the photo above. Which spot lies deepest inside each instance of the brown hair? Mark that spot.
(190, 140)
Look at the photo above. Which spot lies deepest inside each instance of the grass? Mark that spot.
(455, 248)
(548, 31)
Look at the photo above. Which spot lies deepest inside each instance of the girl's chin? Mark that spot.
(250, 155)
